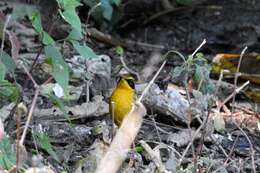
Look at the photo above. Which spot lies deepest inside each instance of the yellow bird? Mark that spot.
(122, 98)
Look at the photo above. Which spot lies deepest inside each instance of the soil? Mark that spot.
(228, 26)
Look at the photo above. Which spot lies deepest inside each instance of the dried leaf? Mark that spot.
(249, 67)
(15, 45)
(219, 123)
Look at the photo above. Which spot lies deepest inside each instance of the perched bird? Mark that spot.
(122, 98)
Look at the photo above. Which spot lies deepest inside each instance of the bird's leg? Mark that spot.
(112, 132)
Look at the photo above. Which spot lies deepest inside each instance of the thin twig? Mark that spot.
(49, 30)
(108, 39)
(218, 83)
(113, 119)
(143, 44)
(221, 167)
(35, 142)
(128, 69)
(219, 146)
(163, 125)
(156, 159)
(233, 103)
(157, 73)
(36, 58)
(186, 77)
(37, 91)
(189, 101)
(232, 94)
(18, 122)
(48, 80)
(3, 36)
(29, 75)
(87, 83)
(231, 151)
(200, 84)
(251, 147)
(194, 155)
(151, 82)
(198, 48)
(198, 153)
(159, 129)
(191, 142)
(87, 91)
(91, 11)
(237, 74)
(165, 145)
(156, 128)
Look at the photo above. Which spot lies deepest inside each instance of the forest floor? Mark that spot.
(189, 127)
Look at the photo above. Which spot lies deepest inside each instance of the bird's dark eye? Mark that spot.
(118, 79)
(131, 83)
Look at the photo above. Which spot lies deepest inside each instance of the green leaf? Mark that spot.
(66, 4)
(199, 73)
(178, 74)
(47, 39)
(219, 123)
(119, 50)
(70, 16)
(2, 71)
(202, 74)
(200, 59)
(8, 91)
(84, 50)
(139, 149)
(60, 68)
(107, 9)
(75, 35)
(7, 154)
(36, 22)
(8, 62)
(45, 144)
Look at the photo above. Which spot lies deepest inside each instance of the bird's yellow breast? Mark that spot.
(121, 101)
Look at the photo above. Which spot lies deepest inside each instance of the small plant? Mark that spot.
(197, 69)
(59, 69)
